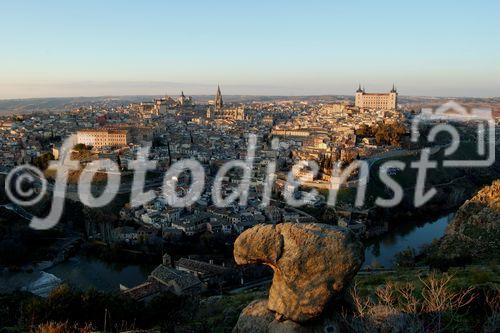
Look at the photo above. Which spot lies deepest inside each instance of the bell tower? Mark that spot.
(358, 100)
(393, 98)
(219, 104)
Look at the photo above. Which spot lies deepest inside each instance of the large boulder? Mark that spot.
(254, 318)
(312, 264)
(257, 318)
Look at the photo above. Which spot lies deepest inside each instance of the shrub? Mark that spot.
(53, 327)
(427, 304)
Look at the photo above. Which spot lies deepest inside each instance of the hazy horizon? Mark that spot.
(175, 89)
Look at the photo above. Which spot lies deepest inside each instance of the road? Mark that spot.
(298, 211)
(18, 210)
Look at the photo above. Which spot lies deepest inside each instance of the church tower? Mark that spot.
(393, 98)
(182, 99)
(218, 99)
(358, 99)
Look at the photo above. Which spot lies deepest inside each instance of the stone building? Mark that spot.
(103, 137)
(219, 111)
(209, 274)
(185, 101)
(165, 278)
(380, 101)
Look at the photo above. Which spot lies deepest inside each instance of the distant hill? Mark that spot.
(20, 106)
(57, 104)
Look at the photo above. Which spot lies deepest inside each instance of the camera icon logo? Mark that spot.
(446, 117)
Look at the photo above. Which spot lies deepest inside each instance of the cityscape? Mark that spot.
(364, 205)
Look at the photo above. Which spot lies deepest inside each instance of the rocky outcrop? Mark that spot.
(474, 232)
(257, 318)
(254, 318)
(312, 264)
(482, 210)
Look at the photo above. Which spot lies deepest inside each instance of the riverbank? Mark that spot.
(84, 272)
(81, 273)
(381, 251)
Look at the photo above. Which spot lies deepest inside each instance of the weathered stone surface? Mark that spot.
(312, 264)
(256, 318)
(475, 229)
(386, 319)
(482, 210)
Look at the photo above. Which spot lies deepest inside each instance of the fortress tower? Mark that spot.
(380, 101)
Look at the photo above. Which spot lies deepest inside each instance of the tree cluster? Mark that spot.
(91, 308)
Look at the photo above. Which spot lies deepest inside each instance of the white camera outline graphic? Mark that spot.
(453, 111)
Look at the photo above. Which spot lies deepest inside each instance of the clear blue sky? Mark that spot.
(84, 48)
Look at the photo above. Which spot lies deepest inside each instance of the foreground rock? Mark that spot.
(312, 264)
(257, 318)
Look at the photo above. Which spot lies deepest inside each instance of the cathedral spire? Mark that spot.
(218, 99)
(359, 88)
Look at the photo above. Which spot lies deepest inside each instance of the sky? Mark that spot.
(94, 48)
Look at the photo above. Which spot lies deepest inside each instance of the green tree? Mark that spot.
(42, 161)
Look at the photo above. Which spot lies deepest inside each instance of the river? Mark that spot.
(380, 251)
(84, 272)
